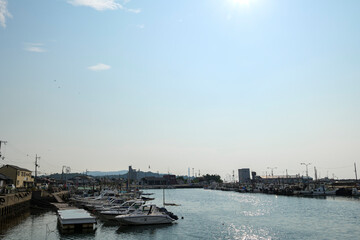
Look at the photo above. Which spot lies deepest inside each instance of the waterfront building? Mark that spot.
(154, 181)
(170, 179)
(83, 180)
(244, 175)
(132, 174)
(253, 175)
(21, 177)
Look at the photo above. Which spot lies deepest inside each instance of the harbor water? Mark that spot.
(209, 214)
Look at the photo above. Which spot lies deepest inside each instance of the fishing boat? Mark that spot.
(323, 191)
(355, 192)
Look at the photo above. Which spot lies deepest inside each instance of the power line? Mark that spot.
(20, 151)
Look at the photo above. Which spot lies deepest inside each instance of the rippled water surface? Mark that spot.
(222, 215)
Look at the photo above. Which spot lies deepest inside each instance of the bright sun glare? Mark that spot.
(241, 2)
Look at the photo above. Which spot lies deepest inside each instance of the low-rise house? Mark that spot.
(20, 177)
(83, 180)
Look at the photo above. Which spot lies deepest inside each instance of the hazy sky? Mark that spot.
(213, 85)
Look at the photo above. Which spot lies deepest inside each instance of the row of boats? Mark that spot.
(125, 208)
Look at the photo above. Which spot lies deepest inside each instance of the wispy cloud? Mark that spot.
(141, 26)
(133, 10)
(4, 13)
(34, 47)
(99, 67)
(101, 5)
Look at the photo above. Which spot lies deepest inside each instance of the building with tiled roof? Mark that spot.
(21, 177)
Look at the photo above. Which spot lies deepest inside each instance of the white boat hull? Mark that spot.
(110, 215)
(144, 220)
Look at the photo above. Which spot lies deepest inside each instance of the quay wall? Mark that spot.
(42, 194)
(14, 203)
(42, 199)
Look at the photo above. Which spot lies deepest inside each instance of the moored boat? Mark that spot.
(147, 215)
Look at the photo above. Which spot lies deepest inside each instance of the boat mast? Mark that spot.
(163, 196)
(355, 173)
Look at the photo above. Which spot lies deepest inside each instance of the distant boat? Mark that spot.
(147, 194)
(355, 192)
(322, 191)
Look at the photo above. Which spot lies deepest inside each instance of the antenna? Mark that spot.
(272, 170)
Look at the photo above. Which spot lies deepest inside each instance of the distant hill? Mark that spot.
(112, 173)
(59, 176)
(115, 174)
(139, 175)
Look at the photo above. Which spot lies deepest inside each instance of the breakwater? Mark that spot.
(300, 189)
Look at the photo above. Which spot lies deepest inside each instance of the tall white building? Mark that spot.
(244, 175)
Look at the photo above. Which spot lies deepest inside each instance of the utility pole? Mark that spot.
(62, 172)
(272, 170)
(36, 166)
(4, 142)
(315, 171)
(67, 170)
(307, 172)
(188, 179)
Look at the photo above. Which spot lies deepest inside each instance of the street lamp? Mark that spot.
(272, 170)
(306, 164)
